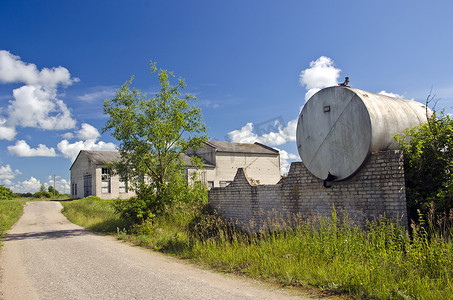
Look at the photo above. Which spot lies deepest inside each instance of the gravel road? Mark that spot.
(46, 257)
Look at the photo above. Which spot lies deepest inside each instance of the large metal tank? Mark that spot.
(339, 127)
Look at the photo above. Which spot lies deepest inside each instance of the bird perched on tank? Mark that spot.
(345, 83)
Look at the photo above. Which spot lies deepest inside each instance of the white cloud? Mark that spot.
(72, 150)
(89, 136)
(100, 92)
(12, 69)
(67, 135)
(35, 104)
(61, 185)
(208, 103)
(38, 107)
(23, 149)
(6, 133)
(32, 185)
(7, 173)
(321, 73)
(7, 182)
(282, 135)
(88, 132)
(390, 94)
(243, 135)
(285, 160)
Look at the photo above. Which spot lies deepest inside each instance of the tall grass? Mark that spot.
(10, 212)
(381, 262)
(93, 213)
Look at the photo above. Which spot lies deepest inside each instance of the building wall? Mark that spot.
(200, 175)
(82, 167)
(264, 168)
(377, 189)
(114, 187)
(207, 152)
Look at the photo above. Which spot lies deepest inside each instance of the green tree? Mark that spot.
(428, 165)
(6, 193)
(51, 190)
(42, 193)
(154, 133)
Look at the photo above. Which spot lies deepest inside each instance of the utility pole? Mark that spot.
(53, 186)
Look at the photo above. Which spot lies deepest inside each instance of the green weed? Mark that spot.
(330, 253)
(94, 213)
(10, 212)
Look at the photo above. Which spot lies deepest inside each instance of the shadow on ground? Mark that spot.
(45, 235)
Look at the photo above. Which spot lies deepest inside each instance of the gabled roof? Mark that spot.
(102, 157)
(105, 157)
(188, 163)
(99, 157)
(255, 148)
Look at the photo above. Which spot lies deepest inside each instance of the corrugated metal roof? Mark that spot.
(255, 148)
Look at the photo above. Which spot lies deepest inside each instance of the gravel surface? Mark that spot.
(46, 257)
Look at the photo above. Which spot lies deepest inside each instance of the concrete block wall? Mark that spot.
(377, 189)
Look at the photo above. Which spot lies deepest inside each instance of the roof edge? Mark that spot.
(267, 147)
(75, 159)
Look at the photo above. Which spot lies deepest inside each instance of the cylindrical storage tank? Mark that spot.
(339, 127)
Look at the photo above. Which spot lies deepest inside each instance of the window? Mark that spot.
(123, 186)
(224, 183)
(74, 189)
(105, 178)
(210, 184)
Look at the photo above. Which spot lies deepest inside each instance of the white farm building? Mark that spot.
(90, 175)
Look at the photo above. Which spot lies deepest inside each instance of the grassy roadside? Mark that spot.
(94, 214)
(381, 263)
(10, 212)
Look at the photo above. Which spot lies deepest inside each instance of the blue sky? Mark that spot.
(250, 63)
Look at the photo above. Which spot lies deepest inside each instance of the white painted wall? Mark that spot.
(82, 167)
(264, 168)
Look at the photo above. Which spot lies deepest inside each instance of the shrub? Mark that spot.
(428, 165)
(53, 191)
(154, 133)
(6, 193)
(148, 204)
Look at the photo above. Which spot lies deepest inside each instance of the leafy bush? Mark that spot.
(42, 193)
(154, 134)
(6, 193)
(53, 191)
(148, 204)
(135, 209)
(208, 225)
(24, 195)
(428, 165)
